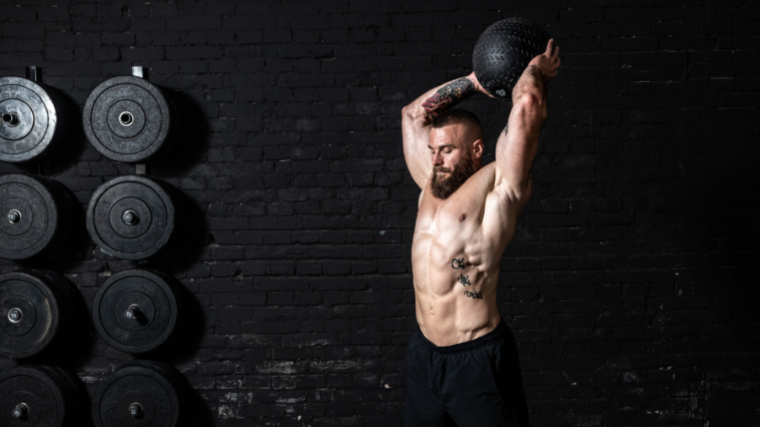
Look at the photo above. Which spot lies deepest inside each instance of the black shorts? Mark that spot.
(473, 384)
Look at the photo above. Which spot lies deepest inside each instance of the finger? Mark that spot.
(555, 55)
(549, 47)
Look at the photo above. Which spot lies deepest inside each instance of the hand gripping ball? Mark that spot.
(503, 52)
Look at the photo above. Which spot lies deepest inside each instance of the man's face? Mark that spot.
(453, 159)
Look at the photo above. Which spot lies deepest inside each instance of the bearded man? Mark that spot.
(462, 365)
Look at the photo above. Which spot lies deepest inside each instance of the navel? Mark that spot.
(462, 217)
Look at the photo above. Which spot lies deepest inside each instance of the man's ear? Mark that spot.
(477, 149)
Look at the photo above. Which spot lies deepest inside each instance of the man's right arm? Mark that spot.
(417, 118)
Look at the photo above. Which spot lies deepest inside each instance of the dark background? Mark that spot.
(631, 283)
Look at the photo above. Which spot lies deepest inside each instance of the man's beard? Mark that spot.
(444, 187)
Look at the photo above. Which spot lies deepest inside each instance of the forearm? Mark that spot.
(530, 92)
(439, 99)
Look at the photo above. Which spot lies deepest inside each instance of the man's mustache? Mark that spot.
(441, 169)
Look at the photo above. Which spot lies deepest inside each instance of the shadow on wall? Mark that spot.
(192, 137)
(187, 333)
(74, 142)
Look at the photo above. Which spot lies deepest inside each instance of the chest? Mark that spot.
(448, 230)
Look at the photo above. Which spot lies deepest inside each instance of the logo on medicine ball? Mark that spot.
(501, 92)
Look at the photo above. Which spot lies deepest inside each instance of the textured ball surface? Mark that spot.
(504, 50)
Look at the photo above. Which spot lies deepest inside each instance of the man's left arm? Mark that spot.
(518, 144)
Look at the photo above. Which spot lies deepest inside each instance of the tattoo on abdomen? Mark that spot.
(458, 264)
(464, 280)
(448, 95)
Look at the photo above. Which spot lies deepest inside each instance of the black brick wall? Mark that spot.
(631, 283)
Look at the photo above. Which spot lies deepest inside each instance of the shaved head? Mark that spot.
(465, 118)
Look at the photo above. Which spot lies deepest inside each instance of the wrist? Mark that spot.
(477, 87)
(536, 71)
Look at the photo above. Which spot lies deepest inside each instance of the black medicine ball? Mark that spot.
(503, 52)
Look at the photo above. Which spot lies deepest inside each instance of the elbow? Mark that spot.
(412, 114)
(529, 101)
(406, 112)
(532, 105)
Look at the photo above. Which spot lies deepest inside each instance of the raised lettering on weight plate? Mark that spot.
(20, 288)
(104, 205)
(121, 334)
(10, 93)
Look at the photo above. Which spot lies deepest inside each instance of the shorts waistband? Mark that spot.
(499, 332)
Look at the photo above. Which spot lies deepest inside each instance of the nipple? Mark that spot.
(462, 217)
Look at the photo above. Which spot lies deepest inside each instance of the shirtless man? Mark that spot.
(463, 367)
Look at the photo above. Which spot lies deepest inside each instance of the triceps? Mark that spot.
(448, 96)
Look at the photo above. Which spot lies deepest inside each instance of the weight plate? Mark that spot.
(30, 313)
(131, 217)
(28, 120)
(128, 119)
(135, 311)
(35, 396)
(30, 213)
(135, 395)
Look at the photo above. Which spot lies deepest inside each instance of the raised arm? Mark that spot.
(517, 145)
(417, 118)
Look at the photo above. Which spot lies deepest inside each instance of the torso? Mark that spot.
(458, 243)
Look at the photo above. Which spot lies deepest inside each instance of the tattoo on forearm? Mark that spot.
(457, 263)
(474, 295)
(448, 96)
(464, 280)
(506, 128)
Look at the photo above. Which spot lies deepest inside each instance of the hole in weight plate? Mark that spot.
(130, 217)
(126, 118)
(14, 216)
(11, 119)
(15, 315)
(21, 411)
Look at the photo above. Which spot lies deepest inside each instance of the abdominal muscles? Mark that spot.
(455, 295)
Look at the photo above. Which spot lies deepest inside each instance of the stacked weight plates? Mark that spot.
(141, 393)
(503, 52)
(40, 396)
(34, 215)
(131, 217)
(128, 119)
(35, 307)
(29, 125)
(135, 311)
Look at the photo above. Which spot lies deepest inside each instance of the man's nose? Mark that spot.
(437, 159)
